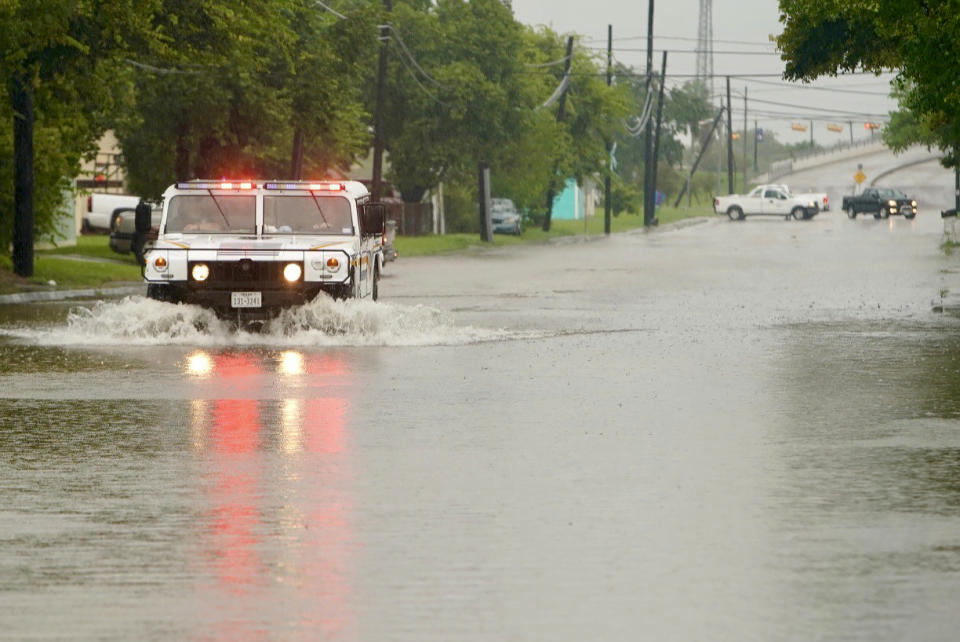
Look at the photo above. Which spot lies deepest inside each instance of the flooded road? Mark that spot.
(728, 431)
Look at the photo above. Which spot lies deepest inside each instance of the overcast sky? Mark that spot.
(741, 44)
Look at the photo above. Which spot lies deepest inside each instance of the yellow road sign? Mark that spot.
(859, 177)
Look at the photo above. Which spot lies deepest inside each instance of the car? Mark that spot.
(505, 217)
(123, 237)
(881, 202)
(248, 249)
(768, 200)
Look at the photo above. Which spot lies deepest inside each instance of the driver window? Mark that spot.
(771, 193)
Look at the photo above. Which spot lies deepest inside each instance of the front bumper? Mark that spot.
(218, 298)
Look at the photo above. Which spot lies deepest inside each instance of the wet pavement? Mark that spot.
(730, 431)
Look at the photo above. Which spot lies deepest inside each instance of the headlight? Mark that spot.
(913, 203)
(160, 263)
(892, 203)
(292, 272)
(200, 272)
(811, 204)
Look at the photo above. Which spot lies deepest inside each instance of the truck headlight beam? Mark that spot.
(200, 272)
(292, 272)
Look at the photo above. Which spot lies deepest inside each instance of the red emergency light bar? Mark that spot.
(227, 185)
(313, 187)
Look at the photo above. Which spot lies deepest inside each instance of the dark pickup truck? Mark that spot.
(881, 202)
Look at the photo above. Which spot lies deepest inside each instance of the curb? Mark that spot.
(61, 295)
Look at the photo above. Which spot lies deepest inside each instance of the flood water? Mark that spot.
(729, 431)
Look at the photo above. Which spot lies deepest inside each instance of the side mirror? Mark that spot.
(372, 218)
(142, 218)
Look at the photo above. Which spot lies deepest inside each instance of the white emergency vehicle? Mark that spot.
(249, 248)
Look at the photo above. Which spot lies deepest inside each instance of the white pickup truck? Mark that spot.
(248, 249)
(767, 200)
(102, 210)
(823, 201)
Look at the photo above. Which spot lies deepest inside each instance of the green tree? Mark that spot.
(269, 88)
(64, 68)
(918, 40)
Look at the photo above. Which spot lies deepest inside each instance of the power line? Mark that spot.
(692, 51)
(822, 109)
(413, 60)
(331, 10)
(685, 39)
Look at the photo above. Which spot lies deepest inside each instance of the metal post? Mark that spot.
(483, 196)
(656, 140)
(561, 110)
(956, 188)
(21, 95)
(606, 181)
(729, 140)
(648, 202)
(378, 109)
(756, 146)
(744, 138)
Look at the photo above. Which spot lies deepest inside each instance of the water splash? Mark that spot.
(136, 320)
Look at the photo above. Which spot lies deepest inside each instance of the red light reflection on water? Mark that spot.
(277, 518)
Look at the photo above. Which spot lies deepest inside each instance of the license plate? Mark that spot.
(246, 299)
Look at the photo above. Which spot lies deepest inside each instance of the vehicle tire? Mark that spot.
(909, 217)
(160, 292)
(878, 214)
(735, 213)
(851, 213)
(798, 213)
(375, 289)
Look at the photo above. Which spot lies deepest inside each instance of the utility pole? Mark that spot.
(378, 108)
(811, 134)
(606, 181)
(756, 146)
(744, 138)
(703, 150)
(729, 140)
(648, 202)
(850, 123)
(561, 111)
(656, 140)
(21, 94)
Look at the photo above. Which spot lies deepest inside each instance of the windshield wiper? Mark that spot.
(320, 209)
(210, 192)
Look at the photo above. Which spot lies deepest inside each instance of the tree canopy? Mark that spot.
(920, 41)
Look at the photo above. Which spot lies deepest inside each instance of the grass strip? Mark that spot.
(427, 245)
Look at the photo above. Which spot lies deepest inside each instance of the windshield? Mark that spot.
(206, 213)
(310, 214)
(890, 193)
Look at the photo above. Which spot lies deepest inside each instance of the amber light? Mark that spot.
(333, 263)
(160, 263)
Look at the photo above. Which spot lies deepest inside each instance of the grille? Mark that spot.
(244, 273)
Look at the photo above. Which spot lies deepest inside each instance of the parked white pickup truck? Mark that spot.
(767, 200)
(102, 210)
